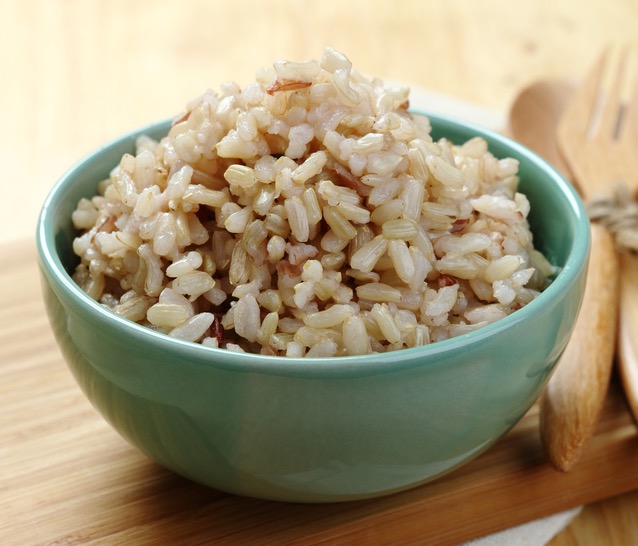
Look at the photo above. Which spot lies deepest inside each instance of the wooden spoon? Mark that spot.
(571, 404)
(534, 116)
(628, 330)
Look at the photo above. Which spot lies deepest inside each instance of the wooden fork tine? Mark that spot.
(611, 98)
(630, 115)
(578, 114)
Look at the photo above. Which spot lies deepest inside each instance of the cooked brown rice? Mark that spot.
(309, 214)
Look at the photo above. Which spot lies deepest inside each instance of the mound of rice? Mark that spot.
(309, 214)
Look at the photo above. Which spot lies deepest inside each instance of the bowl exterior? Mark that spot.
(298, 431)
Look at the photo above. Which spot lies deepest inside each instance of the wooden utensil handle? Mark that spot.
(628, 330)
(571, 404)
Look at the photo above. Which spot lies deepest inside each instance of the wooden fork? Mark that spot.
(600, 156)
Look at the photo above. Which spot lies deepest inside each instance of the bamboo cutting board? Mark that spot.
(67, 478)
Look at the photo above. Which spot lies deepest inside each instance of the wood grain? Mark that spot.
(67, 478)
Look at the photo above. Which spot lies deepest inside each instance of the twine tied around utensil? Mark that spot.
(619, 214)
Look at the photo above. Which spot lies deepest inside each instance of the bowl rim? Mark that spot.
(52, 267)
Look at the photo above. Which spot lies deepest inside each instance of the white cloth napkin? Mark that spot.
(535, 533)
(422, 99)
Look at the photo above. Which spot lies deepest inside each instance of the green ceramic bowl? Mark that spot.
(316, 430)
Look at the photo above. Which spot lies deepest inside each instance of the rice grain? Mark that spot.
(309, 214)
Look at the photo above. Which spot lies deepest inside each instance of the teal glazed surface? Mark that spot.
(316, 430)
